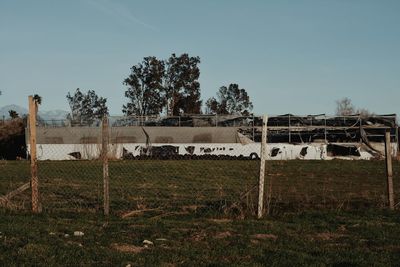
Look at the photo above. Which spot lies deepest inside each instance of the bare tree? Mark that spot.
(363, 112)
(344, 107)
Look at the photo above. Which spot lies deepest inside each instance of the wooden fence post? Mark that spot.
(104, 156)
(262, 168)
(33, 154)
(398, 143)
(389, 169)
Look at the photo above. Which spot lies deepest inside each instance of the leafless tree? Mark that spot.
(344, 107)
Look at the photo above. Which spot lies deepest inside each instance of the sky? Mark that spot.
(297, 56)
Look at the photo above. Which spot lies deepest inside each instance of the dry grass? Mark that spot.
(126, 248)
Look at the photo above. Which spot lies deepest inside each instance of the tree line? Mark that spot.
(171, 87)
(156, 86)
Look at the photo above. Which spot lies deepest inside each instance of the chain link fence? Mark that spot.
(15, 178)
(71, 186)
(155, 170)
(337, 185)
(207, 166)
(182, 186)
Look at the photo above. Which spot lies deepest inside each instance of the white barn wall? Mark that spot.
(315, 151)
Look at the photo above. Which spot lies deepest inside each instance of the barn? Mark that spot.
(314, 137)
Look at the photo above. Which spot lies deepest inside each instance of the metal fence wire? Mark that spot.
(130, 167)
(148, 170)
(15, 178)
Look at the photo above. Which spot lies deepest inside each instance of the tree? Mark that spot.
(212, 106)
(344, 107)
(38, 99)
(145, 92)
(13, 114)
(230, 100)
(181, 85)
(86, 107)
(363, 112)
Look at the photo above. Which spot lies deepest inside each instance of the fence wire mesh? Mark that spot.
(15, 178)
(336, 184)
(71, 186)
(183, 186)
(147, 172)
(157, 170)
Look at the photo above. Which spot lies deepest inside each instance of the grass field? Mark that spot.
(202, 212)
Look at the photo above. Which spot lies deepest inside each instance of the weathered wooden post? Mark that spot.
(389, 169)
(397, 142)
(104, 156)
(289, 130)
(325, 133)
(253, 126)
(33, 154)
(262, 168)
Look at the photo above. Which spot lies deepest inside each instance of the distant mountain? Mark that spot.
(45, 115)
(4, 111)
(53, 114)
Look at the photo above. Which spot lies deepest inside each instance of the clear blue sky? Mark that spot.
(291, 56)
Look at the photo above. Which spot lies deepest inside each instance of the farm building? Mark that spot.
(208, 136)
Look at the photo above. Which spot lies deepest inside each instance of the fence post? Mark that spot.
(325, 133)
(289, 128)
(253, 126)
(32, 143)
(262, 168)
(389, 169)
(397, 142)
(104, 156)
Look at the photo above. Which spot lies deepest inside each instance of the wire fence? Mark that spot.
(148, 178)
(202, 187)
(15, 175)
(135, 170)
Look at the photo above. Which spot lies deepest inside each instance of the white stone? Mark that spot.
(78, 233)
(147, 242)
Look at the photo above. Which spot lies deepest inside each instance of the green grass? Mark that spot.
(324, 213)
(203, 185)
(361, 238)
